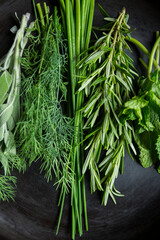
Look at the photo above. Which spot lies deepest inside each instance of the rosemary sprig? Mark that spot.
(108, 85)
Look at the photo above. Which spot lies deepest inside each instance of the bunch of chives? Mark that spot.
(77, 17)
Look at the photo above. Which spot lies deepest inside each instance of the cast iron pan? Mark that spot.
(33, 215)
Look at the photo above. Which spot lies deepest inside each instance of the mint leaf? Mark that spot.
(145, 157)
(158, 146)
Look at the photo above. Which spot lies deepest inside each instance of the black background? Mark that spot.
(33, 215)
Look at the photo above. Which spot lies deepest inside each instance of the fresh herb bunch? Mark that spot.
(44, 132)
(77, 17)
(10, 80)
(144, 110)
(108, 85)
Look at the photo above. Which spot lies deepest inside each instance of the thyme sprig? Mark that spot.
(108, 85)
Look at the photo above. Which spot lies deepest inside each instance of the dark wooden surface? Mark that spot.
(33, 215)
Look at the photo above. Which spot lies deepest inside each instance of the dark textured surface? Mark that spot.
(33, 215)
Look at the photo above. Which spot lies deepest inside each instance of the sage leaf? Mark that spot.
(5, 83)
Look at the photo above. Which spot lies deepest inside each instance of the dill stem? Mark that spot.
(43, 33)
(36, 16)
(46, 9)
(41, 15)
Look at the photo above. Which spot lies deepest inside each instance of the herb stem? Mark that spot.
(158, 49)
(151, 59)
(142, 47)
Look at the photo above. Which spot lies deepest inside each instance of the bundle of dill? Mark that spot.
(43, 132)
(10, 79)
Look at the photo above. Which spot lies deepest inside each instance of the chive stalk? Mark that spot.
(78, 17)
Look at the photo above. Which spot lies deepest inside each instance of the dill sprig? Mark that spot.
(7, 187)
(44, 132)
(109, 83)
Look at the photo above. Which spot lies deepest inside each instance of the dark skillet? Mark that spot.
(33, 215)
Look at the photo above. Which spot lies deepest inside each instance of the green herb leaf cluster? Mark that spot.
(10, 80)
(144, 109)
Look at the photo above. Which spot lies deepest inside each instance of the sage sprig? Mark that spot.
(10, 80)
(108, 85)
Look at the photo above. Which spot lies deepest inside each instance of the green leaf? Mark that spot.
(88, 159)
(94, 57)
(2, 132)
(109, 19)
(104, 13)
(155, 88)
(145, 122)
(135, 104)
(9, 142)
(95, 116)
(10, 123)
(4, 162)
(93, 101)
(15, 114)
(145, 157)
(5, 112)
(123, 82)
(154, 101)
(7, 187)
(5, 83)
(156, 76)
(108, 69)
(158, 146)
(98, 80)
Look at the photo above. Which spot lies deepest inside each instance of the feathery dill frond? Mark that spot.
(7, 187)
(44, 132)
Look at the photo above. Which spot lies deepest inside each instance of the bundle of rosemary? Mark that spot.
(108, 85)
(10, 80)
